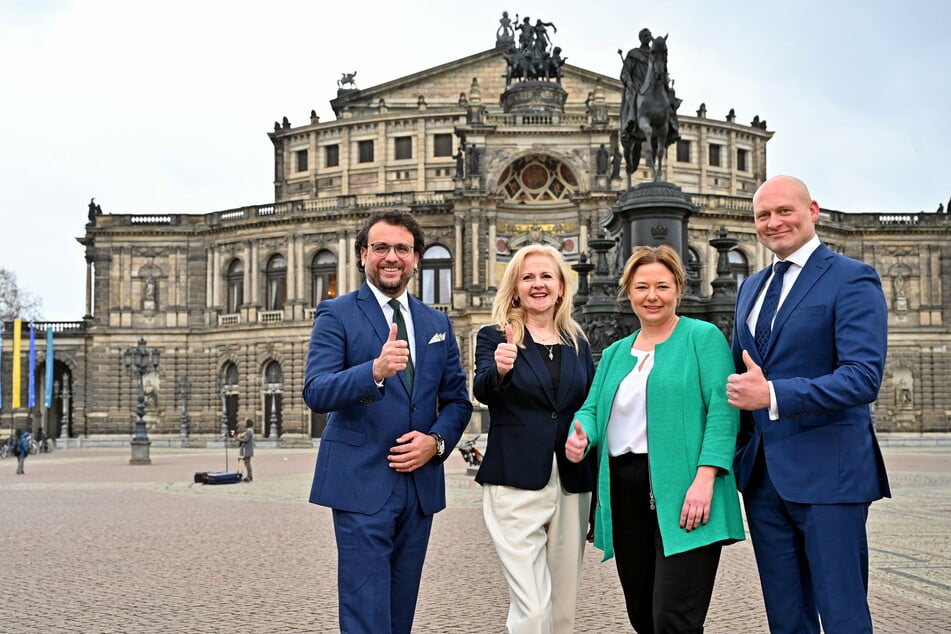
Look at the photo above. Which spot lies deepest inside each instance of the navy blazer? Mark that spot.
(825, 359)
(352, 471)
(529, 422)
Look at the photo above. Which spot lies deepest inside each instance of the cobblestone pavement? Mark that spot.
(94, 544)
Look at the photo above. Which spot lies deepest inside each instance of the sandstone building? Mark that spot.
(228, 296)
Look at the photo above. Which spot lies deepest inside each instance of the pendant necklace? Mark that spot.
(551, 353)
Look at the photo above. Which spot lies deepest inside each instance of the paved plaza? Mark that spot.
(94, 544)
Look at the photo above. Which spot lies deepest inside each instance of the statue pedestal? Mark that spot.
(652, 214)
(905, 420)
(140, 452)
(534, 97)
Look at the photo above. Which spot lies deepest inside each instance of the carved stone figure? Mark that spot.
(460, 163)
(602, 160)
(94, 210)
(473, 160)
(555, 62)
(899, 283)
(616, 163)
(149, 293)
(505, 36)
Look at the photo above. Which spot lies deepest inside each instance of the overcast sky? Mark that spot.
(165, 106)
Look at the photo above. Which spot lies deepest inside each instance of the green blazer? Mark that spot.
(689, 423)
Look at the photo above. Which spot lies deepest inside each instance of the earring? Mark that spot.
(516, 302)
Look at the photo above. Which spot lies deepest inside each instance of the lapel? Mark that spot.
(752, 288)
(366, 302)
(569, 366)
(816, 266)
(422, 331)
(370, 307)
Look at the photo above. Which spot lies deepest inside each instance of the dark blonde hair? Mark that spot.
(662, 254)
(506, 311)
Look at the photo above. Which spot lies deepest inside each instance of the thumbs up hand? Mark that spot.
(505, 353)
(576, 444)
(748, 390)
(393, 357)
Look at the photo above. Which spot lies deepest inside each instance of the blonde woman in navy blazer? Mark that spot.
(533, 371)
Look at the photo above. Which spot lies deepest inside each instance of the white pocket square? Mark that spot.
(439, 336)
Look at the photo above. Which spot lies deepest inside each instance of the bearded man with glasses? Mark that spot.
(386, 368)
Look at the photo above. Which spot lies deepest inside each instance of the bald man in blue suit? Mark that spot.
(386, 367)
(809, 349)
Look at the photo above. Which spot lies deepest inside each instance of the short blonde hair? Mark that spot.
(506, 311)
(663, 254)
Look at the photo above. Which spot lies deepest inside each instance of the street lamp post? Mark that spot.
(273, 391)
(65, 394)
(183, 388)
(223, 392)
(139, 361)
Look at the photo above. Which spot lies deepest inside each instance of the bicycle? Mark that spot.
(6, 449)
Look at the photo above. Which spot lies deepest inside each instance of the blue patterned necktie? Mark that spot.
(401, 334)
(764, 323)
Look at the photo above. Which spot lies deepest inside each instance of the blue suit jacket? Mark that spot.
(825, 358)
(352, 472)
(529, 420)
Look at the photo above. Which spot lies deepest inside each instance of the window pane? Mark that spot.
(332, 156)
(741, 159)
(404, 148)
(442, 145)
(365, 151)
(683, 151)
(429, 291)
(301, 160)
(445, 286)
(714, 155)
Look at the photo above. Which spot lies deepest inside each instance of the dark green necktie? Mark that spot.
(403, 336)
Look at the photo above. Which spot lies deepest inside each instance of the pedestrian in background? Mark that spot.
(658, 414)
(22, 447)
(246, 447)
(533, 371)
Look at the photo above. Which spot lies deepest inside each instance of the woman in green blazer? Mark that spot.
(665, 435)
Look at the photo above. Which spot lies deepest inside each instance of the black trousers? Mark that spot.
(664, 595)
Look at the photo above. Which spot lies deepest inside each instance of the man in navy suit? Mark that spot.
(386, 367)
(810, 350)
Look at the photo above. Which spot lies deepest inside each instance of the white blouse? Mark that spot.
(627, 425)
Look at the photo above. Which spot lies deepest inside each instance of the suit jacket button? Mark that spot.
(412, 408)
(554, 415)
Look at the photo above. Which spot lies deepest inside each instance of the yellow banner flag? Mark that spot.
(17, 325)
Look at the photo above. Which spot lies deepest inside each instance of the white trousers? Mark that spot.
(540, 538)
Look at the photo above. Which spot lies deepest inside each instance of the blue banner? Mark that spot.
(49, 367)
(31, 391)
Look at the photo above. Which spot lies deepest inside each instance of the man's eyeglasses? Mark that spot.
(381, 249)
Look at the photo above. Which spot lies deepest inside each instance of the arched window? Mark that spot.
(276, 280)
(323, 277)
(537, 178)
(437, 275)
(739, 267)
(235, 287)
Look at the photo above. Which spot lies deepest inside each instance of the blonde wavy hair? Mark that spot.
(506, 310)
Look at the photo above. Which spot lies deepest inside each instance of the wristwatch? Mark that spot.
(440, 444)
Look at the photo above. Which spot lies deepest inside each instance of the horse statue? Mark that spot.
(347, 79)
(653, 122)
